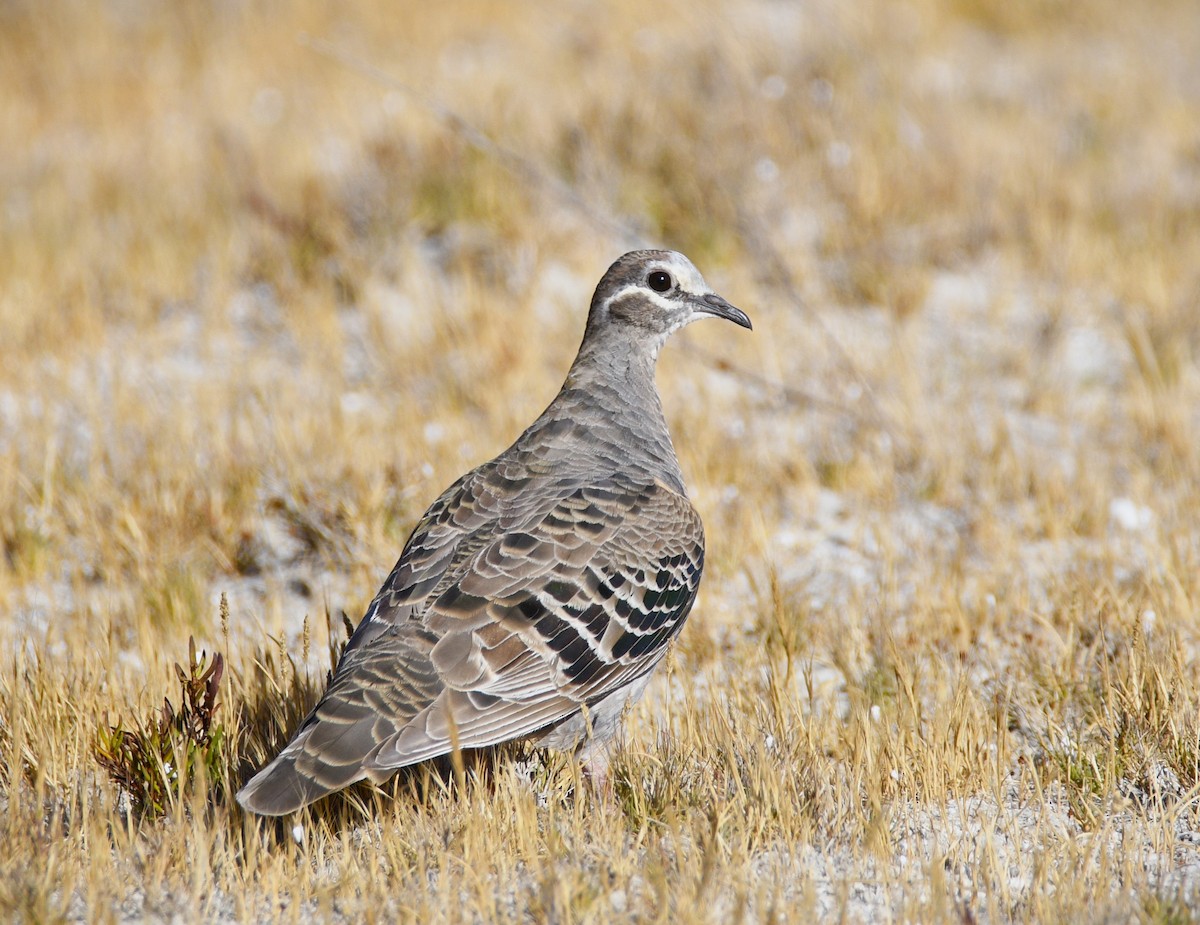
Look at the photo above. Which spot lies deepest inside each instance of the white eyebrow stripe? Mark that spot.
(659, 299)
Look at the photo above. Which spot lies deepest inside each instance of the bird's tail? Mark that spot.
(285, 786)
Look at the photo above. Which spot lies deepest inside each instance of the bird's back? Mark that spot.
(522, 595)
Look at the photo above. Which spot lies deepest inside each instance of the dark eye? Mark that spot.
(660, 281)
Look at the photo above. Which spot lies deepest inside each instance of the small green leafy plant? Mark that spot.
(156, 760)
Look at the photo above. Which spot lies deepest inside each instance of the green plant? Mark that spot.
(156, 760)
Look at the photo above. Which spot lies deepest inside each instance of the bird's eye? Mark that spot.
(660, 281)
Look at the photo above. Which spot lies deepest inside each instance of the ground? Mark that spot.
(272, 276)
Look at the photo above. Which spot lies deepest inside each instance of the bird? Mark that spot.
(538, 593)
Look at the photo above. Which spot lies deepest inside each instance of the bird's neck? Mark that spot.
(627, 370)
(614, 403)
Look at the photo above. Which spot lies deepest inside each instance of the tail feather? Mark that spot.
(282, 787)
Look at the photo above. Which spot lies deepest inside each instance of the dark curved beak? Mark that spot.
(713, 304)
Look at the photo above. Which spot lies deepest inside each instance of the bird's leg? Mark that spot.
(595, 760)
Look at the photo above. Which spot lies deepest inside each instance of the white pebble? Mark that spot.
(766, 170)
(1149, 618)
(838, 154)
(773, 87)
(1129, 516)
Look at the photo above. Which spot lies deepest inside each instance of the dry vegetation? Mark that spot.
(257, 308)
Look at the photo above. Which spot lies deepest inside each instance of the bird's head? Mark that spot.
(647, 295)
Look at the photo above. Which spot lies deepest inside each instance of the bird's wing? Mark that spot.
(495, 624)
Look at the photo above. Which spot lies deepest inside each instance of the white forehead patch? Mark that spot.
(684, 273)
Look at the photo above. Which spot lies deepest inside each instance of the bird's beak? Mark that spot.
(713, 304)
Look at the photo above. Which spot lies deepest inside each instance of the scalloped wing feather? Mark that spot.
(494, 624)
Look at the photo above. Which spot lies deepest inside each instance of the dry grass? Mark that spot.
(258, 309)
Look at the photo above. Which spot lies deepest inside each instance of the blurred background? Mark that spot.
(272, 275)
